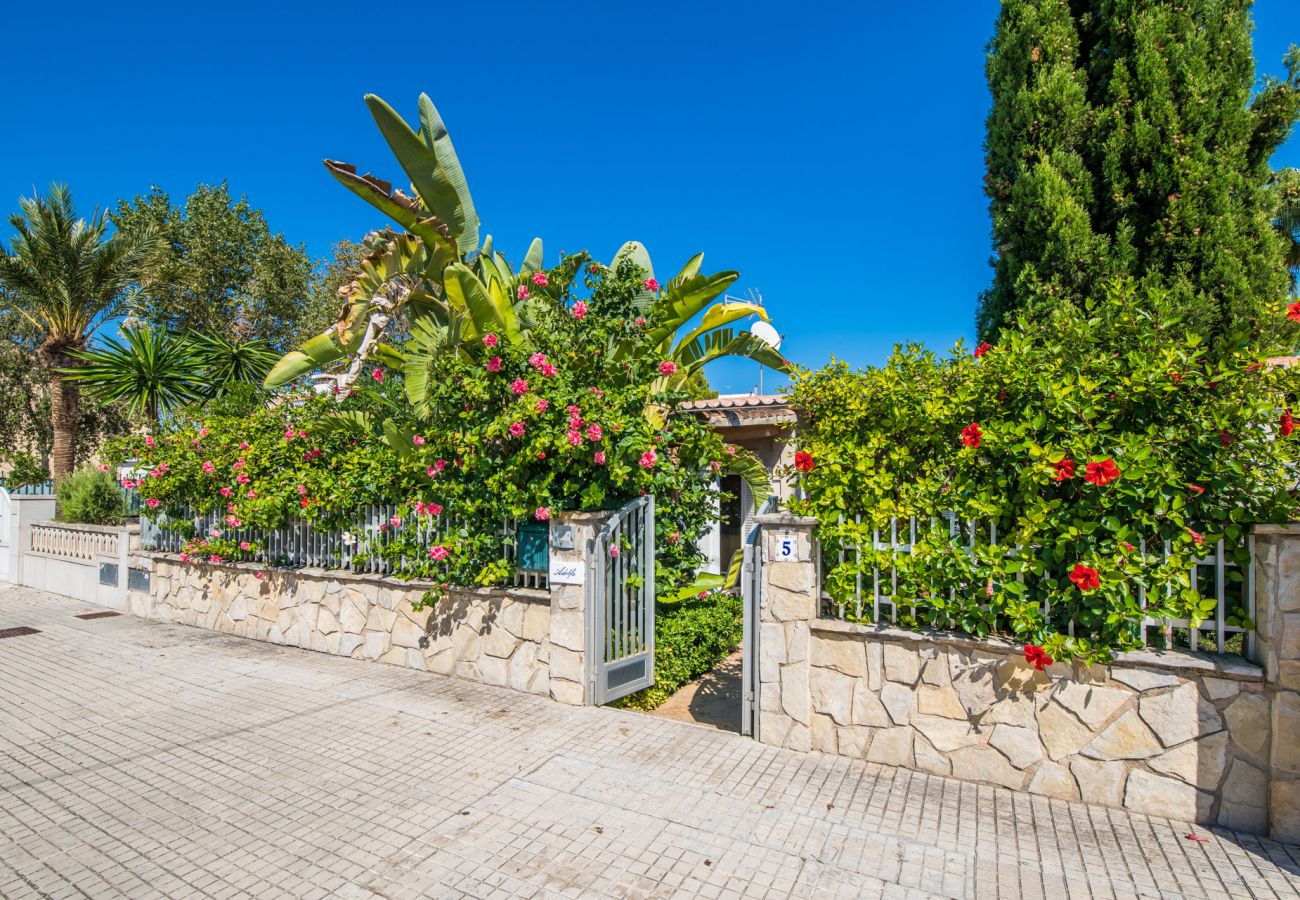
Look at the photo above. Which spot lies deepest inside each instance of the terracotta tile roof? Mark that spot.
(736, 401)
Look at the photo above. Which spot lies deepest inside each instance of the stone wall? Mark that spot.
(1277, 627)
(1162, 740)
(1185, 736)
(500, 637)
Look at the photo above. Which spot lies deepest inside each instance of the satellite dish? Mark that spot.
(766, 333)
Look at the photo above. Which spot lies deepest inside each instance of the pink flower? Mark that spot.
(185, 557)
(243, 445)
(433, 509)
(128, 483)
(715, 464)
(537, 360)
(417, 441)
(1196, 536)
(668, 367)
(395, 521)
(517, 429)
(648, 459)
(594, 433)
(539, 279)
(490, 340)
(148, 441)
(377, 374)
(226, 492)
(674, 537)
(640, 320)
(494, 364)
(239, 464)
(597, 391)
(438, 552)
(203, 432)
(651, 285)
(214, 558)
(542, 514)
(575, 438)
(153, 503)
(431, 472)
(103, 467)
(519, 386)
(549, 370)
(522, 293)
(215, 532)
(233, 521)
(600, 457)
(208, 467)
(288, 435)
(163, 468)
(242, 478)
(613, 550)
(302, 490)
(251, 495)
(260, 576)
(543, 404)
(580, 309)
(245, 545)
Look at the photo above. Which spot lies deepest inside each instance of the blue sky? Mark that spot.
(829, 152)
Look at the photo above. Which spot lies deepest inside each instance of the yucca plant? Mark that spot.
(150, 371)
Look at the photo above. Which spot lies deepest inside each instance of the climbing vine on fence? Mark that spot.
(1092, 442)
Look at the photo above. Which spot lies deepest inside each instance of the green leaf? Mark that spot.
(533, 258)
(434, 134)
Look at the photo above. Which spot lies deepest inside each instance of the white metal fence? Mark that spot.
(875, 596)
(364, 546)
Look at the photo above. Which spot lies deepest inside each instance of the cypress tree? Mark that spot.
(1126, 139)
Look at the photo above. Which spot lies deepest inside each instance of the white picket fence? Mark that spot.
(877, 594)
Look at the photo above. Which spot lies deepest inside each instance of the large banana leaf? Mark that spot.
(488, 309)
(751, 471)
(690, 270)
(727, 342)
(397, 206)
(420, 162)
(428, 342)
(680, 305)
(315, 354)
(434, 133)
(720, 314)
(351, 422)
(639, 256)
(533, 258)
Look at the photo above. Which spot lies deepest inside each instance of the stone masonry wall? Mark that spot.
(499, 637)
(1277, 626)
(1183, 736)
(1184, 744)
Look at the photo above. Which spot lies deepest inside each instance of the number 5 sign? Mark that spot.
(787, 547)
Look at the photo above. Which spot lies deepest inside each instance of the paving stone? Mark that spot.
(140, 759)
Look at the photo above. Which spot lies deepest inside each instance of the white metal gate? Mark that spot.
(751, 592)
(621, 604)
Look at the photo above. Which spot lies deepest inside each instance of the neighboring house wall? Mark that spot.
(1186, 736)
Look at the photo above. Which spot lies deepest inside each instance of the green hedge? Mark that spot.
(691, 637)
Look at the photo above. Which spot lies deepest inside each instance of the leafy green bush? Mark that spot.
(503, 430)
(90, 496)
(691, 637)
(1091, 441)
(24, 470)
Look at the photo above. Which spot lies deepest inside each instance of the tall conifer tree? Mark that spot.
(1126, 138)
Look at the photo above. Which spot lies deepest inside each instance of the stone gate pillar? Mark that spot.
(1277, 620)
(569, 576)
(788, 605)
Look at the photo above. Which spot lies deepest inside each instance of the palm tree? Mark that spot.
(65, 276)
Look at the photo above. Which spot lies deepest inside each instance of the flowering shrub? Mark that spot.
(503, 430)
(1091, 442)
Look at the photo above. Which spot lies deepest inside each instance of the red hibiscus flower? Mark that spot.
(1286, 425)
(1196, 536)
(1037, 657)
(1196, 489)
(1101, 473)
(1064, 470)
(1084, 578)
(971, 435)
(1293, 311)
(983, 348)
(803, 461)
(1225, 438)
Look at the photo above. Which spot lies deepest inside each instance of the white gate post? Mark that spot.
(569, 576)
(789, 604)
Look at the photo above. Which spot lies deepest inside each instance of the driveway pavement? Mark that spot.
(147, 760)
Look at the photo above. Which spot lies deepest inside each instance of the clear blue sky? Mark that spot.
(830, 152)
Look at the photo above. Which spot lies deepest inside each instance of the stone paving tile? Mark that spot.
(147, 760)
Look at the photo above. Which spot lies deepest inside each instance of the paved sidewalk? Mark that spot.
(146, 760)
